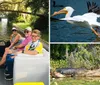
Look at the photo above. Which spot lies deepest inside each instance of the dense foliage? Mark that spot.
(58, 51)
(77, 55)
(25, 7)
(38, 6)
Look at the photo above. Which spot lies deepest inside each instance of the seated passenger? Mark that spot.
(28, 38)
(35, 46)
(15, 38)
(32, 48)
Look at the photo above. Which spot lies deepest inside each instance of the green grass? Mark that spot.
(70, 81)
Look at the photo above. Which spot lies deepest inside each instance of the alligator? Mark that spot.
(71, 71)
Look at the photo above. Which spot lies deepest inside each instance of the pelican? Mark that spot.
(87, 20)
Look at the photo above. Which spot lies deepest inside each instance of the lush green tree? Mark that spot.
(25, 7)
(58, 51)
(38, 6)
(18, 7)
(71, 47)
(79, 55)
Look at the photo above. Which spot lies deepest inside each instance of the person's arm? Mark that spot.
(34, 52)
(19, 46)
(23, 44)
(15, 41)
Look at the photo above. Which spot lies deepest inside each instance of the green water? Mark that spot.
(5, 36)
(76, 81)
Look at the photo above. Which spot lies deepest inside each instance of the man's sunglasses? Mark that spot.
(14, 30)
(26, 31)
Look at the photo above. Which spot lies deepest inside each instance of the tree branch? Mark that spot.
(10, 2)
(15, 11)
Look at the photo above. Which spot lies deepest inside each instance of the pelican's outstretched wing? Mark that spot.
(93, 7)
(79, 21)
(90, 17)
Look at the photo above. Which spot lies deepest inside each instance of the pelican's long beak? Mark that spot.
(63, 11)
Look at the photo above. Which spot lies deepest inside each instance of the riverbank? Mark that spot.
(89, 77)
(92, 73)
(78, 73)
